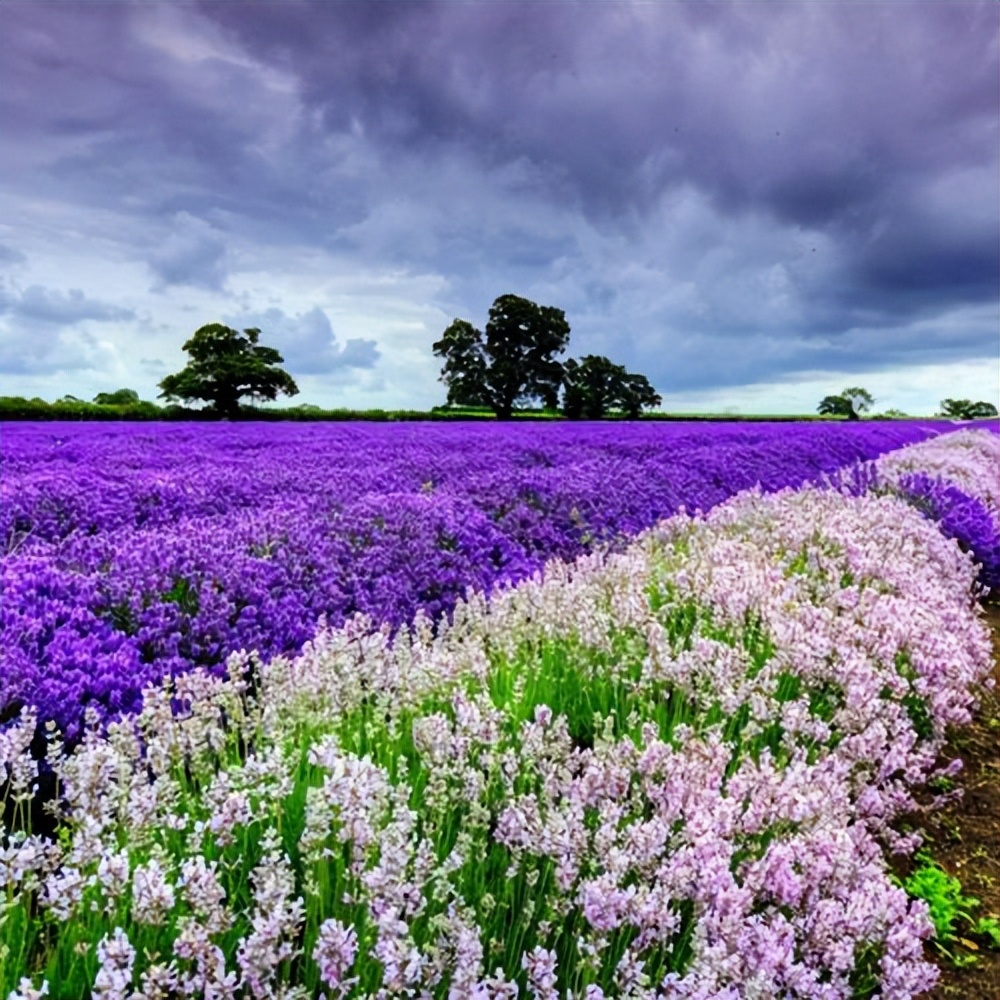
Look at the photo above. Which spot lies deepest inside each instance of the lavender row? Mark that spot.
(666, 773)
(955, 481)
(138, 552)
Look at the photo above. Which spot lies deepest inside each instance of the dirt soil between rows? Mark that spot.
(964, 838)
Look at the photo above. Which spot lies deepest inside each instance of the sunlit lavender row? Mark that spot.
(670, 771)
(133, 552)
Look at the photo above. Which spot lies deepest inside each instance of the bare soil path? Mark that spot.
(964, 838)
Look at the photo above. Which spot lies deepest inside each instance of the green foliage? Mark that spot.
(120, 397)
(834, 406)
(594, 385)
(860, 399)
(951, 911)
(850, 403)
(964, 409)
(512, 361)
(465, 366)
(226, 365)
(19, 408)
(989, 927)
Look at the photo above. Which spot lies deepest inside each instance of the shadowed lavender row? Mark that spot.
(134, 552)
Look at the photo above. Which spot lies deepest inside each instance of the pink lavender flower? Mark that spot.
(208, 976)
(540, 964)
(114, 974)
(202, 891)
(26, 990)
(335, 951)
(152, 895)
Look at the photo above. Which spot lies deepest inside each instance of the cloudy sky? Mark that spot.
(752, 203)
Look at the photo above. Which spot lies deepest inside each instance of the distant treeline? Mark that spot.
(19, 408)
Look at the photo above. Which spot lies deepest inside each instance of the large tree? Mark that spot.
(965, 409)
(226, 365)
(594, 385)
(512, 362)
(850, 403)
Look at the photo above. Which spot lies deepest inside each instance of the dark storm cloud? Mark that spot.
(835, 117)
(738, 360)
(794, 184)
(124, 109)
(193, 254)
(805, 108)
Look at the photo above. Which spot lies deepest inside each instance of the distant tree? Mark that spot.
(512, 362)
(861, 400)
(638, 394)
(594, 385)
(964, 409)
(850, 403)
(465, 366)
(226, 365)
(894, 414)
(120, 397)
(836, 406)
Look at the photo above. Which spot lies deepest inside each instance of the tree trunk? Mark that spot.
(228, 405)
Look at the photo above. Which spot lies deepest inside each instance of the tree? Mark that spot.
(638, 394)
(225, 365)
(835, 406)
(594, 385)
(964, 409)
(464, 371)
(512, 362)
(850, 403)
(120, 397)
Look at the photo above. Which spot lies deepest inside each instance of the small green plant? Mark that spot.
(951, 911)
(989, 927)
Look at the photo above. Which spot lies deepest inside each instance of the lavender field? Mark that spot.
(469, 711)
(132, 552)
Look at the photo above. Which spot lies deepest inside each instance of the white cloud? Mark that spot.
(307, 341)
(916, 390)
(44, 350)
(50, 305)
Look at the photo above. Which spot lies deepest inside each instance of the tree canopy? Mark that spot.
(120, 397)
(594, 385)
(512, 361)
(464, 371)
(850, 403)
(964, 409)
(226, 365)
